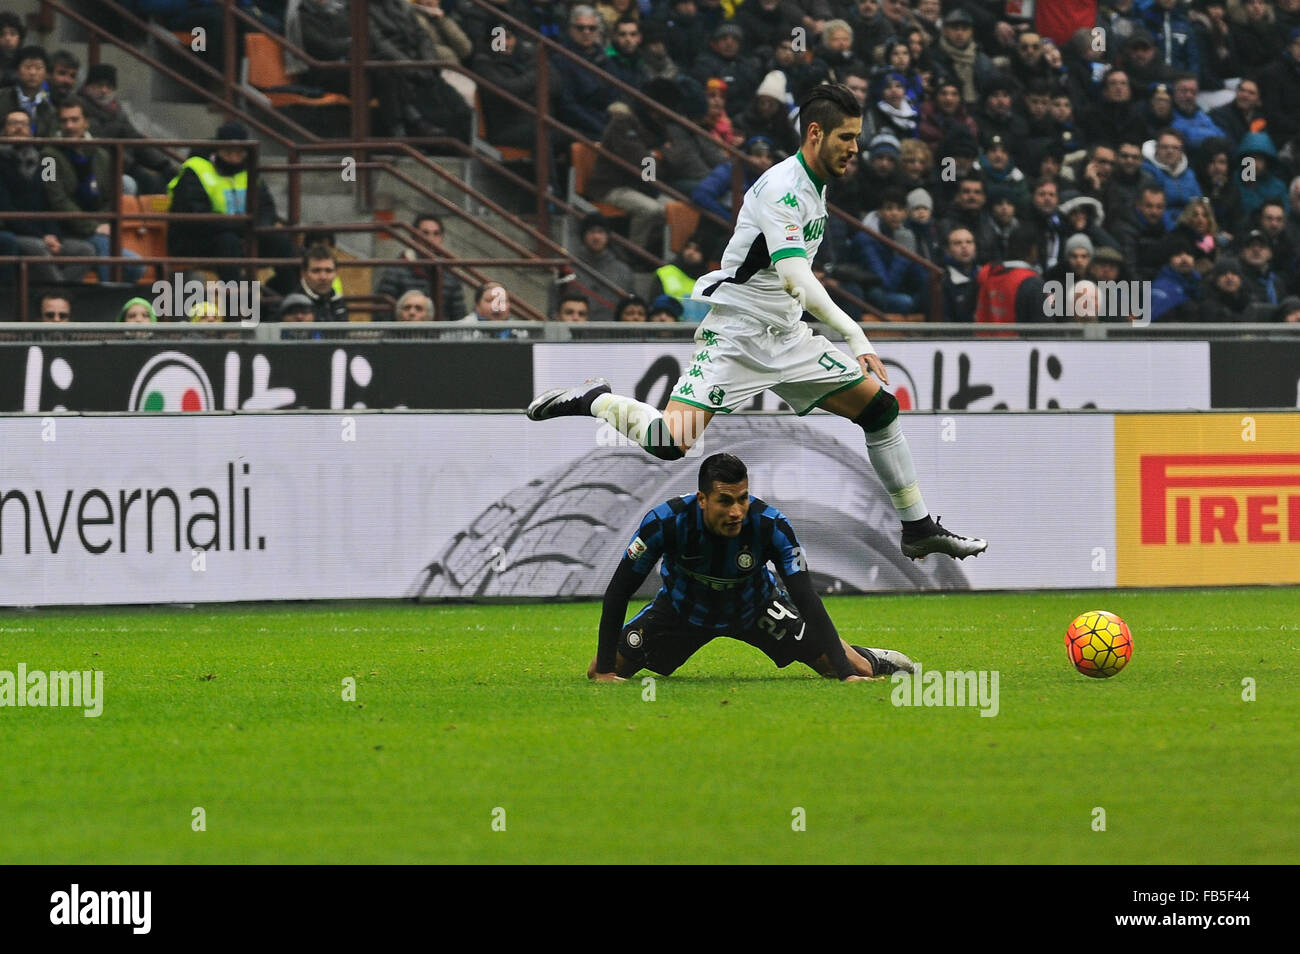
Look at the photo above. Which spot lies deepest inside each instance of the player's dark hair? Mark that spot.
(721, 469)
(828, 106)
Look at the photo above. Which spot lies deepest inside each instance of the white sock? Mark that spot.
(892, 459)
(626, 415)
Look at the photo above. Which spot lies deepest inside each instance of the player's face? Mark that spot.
(725, 507)
(836, 148)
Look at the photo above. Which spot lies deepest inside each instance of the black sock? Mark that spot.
(870, 657)
(925, 523)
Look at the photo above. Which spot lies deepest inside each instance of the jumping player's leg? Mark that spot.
(666, 434)
(875, 410)
(723, 375)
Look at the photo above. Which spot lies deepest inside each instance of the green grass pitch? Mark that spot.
(464, 710)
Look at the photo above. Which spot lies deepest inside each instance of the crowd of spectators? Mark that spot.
(1006, 147)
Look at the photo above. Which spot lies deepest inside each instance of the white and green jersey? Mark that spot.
(782, 215)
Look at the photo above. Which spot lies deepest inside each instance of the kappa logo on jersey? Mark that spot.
(790, 200)
(637, 549)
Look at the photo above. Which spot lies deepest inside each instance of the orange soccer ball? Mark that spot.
(1099, 644)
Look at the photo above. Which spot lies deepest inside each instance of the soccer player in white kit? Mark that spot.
(753, 338)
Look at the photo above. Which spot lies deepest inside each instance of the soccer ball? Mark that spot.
(1099, 644)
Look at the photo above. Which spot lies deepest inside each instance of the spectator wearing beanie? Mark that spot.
(1075, 261)
(880, 171)
(1115, 118)
(893, 112)
(1256, 255)
(943, 113)
(726, 61)
(1227, 299)
(997, 118)
(959, 57)
(677, 280)
(1176, 290)
(654, 51)
(921, 223)
(768, 115)
(216, 181)
(999, 169)
(148, 166)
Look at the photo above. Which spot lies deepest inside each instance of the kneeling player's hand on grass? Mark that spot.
(602, 676)
(871, 364)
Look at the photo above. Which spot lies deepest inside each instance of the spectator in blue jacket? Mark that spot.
(1189, 119)
(1166, 163)
(1174, 35)
(1258, 183)
(1176, 291)
(901, 279)
(581, 97)
(714, 191)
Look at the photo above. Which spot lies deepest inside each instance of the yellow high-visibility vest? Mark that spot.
(228, 194)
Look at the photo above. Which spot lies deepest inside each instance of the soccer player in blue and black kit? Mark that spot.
(715, 546)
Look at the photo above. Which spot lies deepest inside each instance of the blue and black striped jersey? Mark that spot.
(715, 582)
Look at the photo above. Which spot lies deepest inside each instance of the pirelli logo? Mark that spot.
(1220, 499)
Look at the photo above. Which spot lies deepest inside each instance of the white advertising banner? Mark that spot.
(198, 508)
(941, 375)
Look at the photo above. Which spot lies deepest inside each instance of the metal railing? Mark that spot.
(558, 331)
(360, 98)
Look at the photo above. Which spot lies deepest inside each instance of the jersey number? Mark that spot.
(779, 621)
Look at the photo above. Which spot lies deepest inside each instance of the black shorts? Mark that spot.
(658, 639)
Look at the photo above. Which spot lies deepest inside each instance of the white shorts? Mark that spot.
(738, 358)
